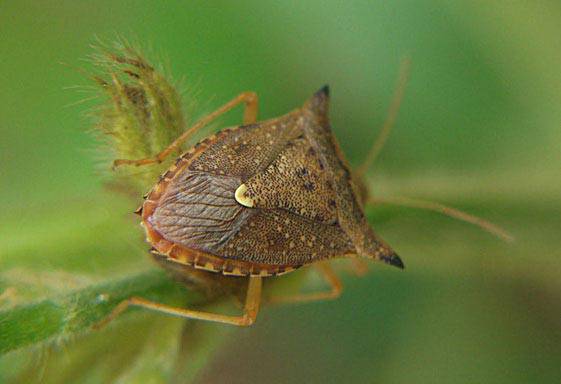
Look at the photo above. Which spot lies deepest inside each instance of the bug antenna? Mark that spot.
(376, 148)
(445, 210)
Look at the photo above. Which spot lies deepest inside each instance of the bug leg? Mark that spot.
(250, 310)
(359, 267)
(249, 116)
(445, 210)
(333, 293)
(390, 119)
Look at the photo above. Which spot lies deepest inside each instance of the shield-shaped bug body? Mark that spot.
(260, 200)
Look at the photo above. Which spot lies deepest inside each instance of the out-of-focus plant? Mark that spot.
(143, 112)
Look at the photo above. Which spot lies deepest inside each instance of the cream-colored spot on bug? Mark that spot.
(241, 197)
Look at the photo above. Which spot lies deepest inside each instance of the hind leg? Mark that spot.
(336, 287)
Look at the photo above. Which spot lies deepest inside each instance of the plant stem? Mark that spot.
(60, 318)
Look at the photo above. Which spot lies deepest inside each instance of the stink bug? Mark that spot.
(261, 200)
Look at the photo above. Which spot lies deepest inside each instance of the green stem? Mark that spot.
(63, 317)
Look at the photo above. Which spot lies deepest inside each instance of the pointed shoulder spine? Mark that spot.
(319, 102)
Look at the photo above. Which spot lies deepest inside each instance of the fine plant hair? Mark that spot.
(141, 114)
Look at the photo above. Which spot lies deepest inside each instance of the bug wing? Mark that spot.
(277, 236)
(198, 211)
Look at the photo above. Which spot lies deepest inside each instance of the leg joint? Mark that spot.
(247, 320)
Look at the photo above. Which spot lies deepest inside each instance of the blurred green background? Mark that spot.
(479, 129)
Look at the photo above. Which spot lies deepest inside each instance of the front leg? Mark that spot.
(250, 116)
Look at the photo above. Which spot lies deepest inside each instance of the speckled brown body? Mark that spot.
(262, 200)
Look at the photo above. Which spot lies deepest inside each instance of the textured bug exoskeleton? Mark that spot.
(262, 199)
(256, 200)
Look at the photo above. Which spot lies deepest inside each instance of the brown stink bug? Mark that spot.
(260, 200)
